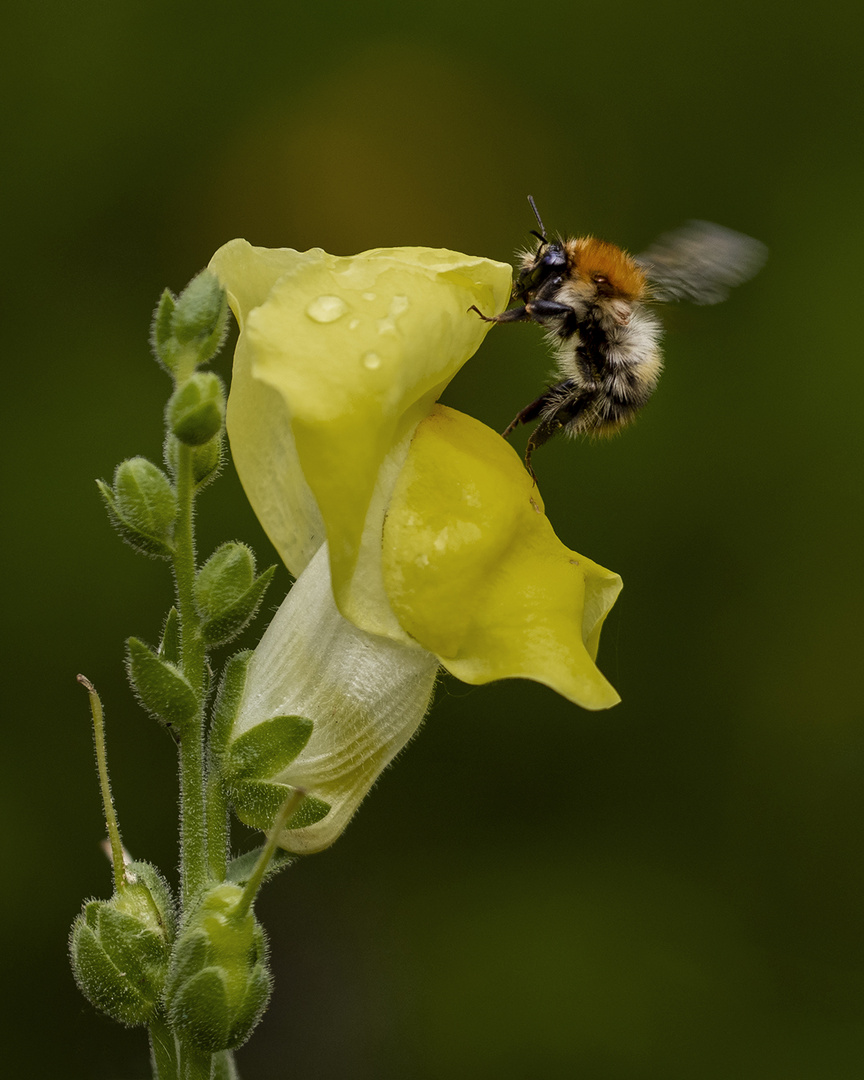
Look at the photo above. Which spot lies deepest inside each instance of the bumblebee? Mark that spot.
(594, 301)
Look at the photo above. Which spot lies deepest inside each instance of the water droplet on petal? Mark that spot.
(353, 324)
(370, 296)
(398, 306)
(326, 309)
(371, 361)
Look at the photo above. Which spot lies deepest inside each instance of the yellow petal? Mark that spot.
(339, 359)
(476, 574)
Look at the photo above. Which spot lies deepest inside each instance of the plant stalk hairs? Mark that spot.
(417, 540)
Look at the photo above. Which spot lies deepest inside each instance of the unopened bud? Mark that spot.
(120, 947)
(196, 411)
(219, 982)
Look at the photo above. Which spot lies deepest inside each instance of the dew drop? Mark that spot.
(398, 306)
(353, 324)
(371, 361)
(326, 309)
(370, 296)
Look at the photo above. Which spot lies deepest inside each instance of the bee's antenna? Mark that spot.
(541, 236)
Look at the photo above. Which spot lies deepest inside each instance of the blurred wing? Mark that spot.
(701, 262)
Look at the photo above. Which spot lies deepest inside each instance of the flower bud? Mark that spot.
(196, 410)
(201, 311)
(207, 459)
(142, 506)
(227, 593)
(188, 330)
(120, 947)
(219, 982)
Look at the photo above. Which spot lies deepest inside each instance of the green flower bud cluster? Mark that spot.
(212, 982)
(187, 332)
(218, 983)
(120, 947)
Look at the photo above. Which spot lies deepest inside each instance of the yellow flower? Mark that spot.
(415, 532)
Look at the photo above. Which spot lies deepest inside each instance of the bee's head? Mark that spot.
(539, 266)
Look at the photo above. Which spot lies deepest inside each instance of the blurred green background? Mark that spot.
(669, 890)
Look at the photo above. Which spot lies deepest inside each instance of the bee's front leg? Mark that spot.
(534, 311)
(512, 315)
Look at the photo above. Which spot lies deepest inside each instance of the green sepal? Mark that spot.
(142, 506)
(224, 1067)
(161, 327)
(218, 983)
(207, 460)
(201, 314)
(169, 646)
(233, 620)
(195, 412)
(112, 989)
(240, 869)
(228, 702)
(148, 891)
(160, 686)
(188, 330)
(119, 948)
(201, 1004)
(257, 802)
(266, 750)
(227, 593)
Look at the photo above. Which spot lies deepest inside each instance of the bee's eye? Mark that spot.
(600, 279)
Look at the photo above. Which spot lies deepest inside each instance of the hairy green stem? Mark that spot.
(163, 1051)
(193, 829)
(111, 823)
(217, 827)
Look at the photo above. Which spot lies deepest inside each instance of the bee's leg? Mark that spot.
(568, 410)
(541, 434)
(519, 314)
(529, 413)
(557, 402)
(534, 311)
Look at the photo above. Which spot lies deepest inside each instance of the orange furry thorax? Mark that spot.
(588, 258)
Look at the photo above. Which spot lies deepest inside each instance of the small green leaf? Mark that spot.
(257, 802)
(240, 869)
(161, 329)
(160, 686)
(266, 749)
(169, 646)
(228, 702)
